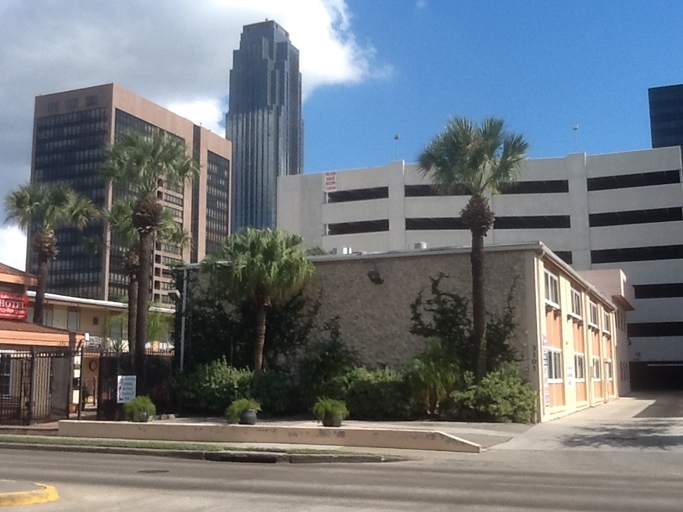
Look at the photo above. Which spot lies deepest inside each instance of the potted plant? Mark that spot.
(330, 412)
(243, 410)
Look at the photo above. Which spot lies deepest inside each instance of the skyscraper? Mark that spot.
(666, 115)
(71, 131)
(263, 122)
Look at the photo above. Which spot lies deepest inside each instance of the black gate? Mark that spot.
(35, 387)
(158, 382)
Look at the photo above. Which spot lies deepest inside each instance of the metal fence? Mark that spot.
(35, 387)
(158, 382)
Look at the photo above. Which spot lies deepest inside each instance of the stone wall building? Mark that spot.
(570, 336)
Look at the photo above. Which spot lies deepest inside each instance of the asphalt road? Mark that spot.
(499, 480)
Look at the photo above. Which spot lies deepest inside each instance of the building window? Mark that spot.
(606, 322)
(5, 372)
(72, 104)
(576, 304)
(596, 368)
(608, 370)
(593, 318)
(552, 290)
(580, 367)
(554, 365)
(72, 321)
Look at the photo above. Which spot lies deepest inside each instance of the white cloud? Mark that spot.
(208, 113)
(13, 247)
(178, 54)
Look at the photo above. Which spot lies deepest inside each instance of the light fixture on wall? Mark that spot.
(375, 276)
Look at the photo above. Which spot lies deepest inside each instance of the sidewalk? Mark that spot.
(14, 493)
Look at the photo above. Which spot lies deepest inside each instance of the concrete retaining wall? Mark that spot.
(201, 433)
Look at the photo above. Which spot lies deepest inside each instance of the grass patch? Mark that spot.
(162, 445)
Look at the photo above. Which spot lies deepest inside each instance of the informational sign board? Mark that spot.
(330, 182)
(13, 306)
(125, 388)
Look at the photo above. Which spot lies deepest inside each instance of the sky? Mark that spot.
(371, 70)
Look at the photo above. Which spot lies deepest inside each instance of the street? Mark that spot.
(498, 480)
(623, 456)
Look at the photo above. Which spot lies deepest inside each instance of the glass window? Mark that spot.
(607, 322)
(72, 320)
(608, 370)
(580, 366)
(554, 365)
(596, 368)
(552, 289)
(593, 320)
(576, 303)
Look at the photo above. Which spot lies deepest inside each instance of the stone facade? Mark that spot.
(375, 318)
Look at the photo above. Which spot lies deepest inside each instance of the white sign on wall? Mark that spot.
(330, 182)
(125, 388)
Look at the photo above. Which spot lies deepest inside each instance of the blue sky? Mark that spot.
(542, 66)
(371, 69)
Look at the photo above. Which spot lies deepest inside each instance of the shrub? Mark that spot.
(324, 364)
(329, 407)
(376, 395)
(140, 408)
(277, 393)
(502, 396)
(239, 406)
(431, 377)
(210, 387)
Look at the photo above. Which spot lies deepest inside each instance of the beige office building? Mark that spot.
(71, 132)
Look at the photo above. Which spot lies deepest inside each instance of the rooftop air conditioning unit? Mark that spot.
(347, 250)
(420, 245)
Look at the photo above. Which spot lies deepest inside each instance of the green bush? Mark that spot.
(323, 364)
(140, 408)
(239, 406)
(502, 396)
(376, 395)
(278, 394)
(431, 377)
(209, 387)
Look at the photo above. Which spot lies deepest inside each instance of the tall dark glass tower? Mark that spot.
(666, 115)
(263, 122)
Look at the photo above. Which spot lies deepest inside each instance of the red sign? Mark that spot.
(13, 305)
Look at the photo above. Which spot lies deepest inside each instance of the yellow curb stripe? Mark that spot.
(44, 495)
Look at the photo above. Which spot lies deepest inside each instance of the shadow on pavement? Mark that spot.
(641, 435)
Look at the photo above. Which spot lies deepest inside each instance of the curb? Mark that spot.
(217, 456)
(45, 494)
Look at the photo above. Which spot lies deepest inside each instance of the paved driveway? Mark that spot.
(640, 422)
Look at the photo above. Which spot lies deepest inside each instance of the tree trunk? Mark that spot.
(478, 306)
(143, 305)
(39, 307)
(478, 217)
(260, 342)
(132, 314)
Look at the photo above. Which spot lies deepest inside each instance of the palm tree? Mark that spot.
(263, 265)
(138, 165)
(479, 160)
(120, 220)
(43, 208)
